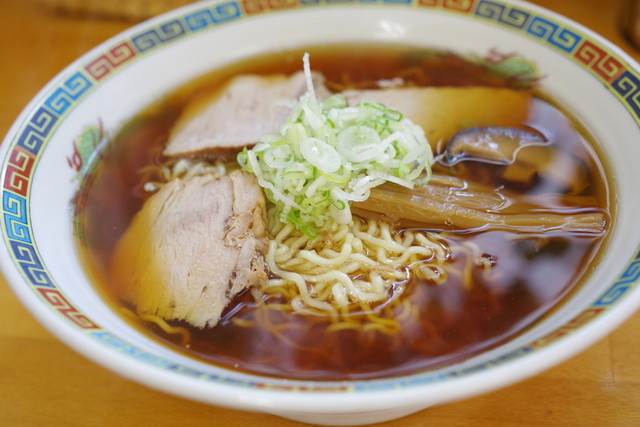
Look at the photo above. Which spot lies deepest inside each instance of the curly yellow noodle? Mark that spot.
(350, 267)
(178, 168)
(185, 335)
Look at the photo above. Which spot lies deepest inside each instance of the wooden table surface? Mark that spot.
(42, 382)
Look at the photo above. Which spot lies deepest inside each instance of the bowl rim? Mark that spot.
(473, 383)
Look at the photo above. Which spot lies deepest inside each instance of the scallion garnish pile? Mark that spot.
(329, 154)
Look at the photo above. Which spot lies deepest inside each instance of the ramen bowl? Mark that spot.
(44, 158)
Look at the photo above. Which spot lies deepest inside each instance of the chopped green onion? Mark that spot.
(329, 154)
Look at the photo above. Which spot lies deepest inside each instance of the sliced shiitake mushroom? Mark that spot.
(492, 144)
(526, 154)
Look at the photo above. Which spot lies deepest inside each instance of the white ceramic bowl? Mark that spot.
(593, 79)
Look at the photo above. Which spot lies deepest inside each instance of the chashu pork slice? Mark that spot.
(442, 111)
(193, 246)
(246, 109)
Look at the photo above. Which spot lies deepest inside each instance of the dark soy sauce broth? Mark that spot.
(530, 274)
